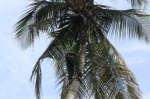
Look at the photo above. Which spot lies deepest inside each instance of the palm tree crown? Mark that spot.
(106, 75)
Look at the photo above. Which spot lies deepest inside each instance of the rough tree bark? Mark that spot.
(71, 94)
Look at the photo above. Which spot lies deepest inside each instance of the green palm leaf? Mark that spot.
(112, 76)
(121, 23)
(40, 17)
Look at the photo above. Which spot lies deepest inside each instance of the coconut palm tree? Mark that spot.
(105, 73)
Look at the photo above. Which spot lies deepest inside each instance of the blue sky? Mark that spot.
(16, 64)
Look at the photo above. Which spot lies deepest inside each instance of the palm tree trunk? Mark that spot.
(76, 84)
(64, 88)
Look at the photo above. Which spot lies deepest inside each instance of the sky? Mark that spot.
(16, 64)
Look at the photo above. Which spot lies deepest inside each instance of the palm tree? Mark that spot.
(105, 74)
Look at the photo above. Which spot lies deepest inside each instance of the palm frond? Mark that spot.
(122, 23)
(38, 74)
(129, 25)
(137, 3)
(56, 50)
(107, 75)
(41, 16)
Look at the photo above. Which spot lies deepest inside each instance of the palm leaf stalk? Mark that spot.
(105, 74)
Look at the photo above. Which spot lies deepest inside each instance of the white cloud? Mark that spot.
(134, 47)
(138, 60)
(15, 65)
(146, 96)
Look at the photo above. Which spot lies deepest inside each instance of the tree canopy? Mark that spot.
(106, 75)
